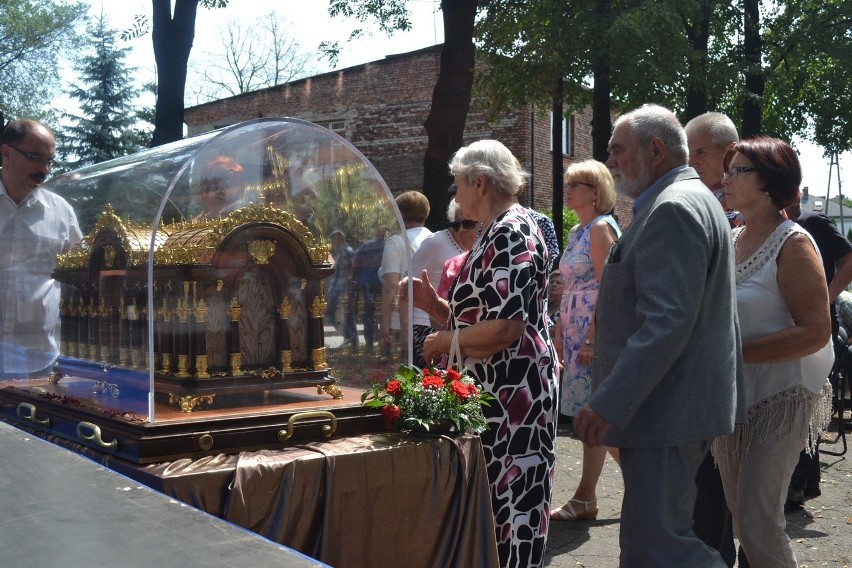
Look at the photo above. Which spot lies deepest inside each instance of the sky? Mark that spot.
(312, 25)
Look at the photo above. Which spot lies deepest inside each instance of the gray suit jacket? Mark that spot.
(668, 357)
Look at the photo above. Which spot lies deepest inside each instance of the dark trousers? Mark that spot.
(712, 517)
(806, 476)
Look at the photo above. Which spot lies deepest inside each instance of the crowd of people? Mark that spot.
(694, 347)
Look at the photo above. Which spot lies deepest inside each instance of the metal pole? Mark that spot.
(834, 164)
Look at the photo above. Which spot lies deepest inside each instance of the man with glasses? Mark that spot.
(35, 226)
(667, 359)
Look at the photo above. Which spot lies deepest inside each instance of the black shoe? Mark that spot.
(812, 492)
(795, 498)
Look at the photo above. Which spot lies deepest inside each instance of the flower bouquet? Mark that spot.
(429, 400)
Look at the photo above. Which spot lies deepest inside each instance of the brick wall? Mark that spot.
(384, 105)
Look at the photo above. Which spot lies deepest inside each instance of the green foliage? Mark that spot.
(807, 48)
(527, 47)
(33, 35)
(422, 399)
(107, 128)
(685, 54)
(569, 221)
(390, 15)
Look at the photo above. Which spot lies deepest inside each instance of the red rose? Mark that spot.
(471, 389)
(453, 375)
(460, 390)
(392, 413)
(394, 388)
(433, 382)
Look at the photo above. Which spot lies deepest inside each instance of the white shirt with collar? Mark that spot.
(32, 233)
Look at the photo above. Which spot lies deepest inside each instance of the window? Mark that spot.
(336, 126)
(567, 135)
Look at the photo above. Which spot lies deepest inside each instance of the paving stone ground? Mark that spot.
(821, 531)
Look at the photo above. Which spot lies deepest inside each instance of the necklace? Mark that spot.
(743, 252)
(453, 240)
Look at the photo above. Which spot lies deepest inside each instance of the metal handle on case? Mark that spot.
(328, 430)
(31, 416)
(95, 436)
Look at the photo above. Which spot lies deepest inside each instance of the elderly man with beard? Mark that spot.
(668, 359)
(35, 226)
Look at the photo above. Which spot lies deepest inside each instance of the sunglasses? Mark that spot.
(466, 223)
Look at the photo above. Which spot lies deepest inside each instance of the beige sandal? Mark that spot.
(576, 510)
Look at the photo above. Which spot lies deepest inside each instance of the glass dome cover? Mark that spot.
(206, 273)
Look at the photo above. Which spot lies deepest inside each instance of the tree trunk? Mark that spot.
(602, 88)
(172, 38)
(450, 103)
(754, 78)
(699, 37)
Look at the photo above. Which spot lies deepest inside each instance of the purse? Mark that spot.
(455, 360)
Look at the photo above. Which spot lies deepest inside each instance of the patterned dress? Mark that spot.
(505, 277)
(576, 312)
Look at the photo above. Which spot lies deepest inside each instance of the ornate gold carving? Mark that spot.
(183, 367)
(318, 358)
(319, 254)
(134, 239)
(236, 361)
(287, 361)
(201, 311)
(188, 403)
(123, 356)
(234, 309)
(332, 390)
(195, 242)
(166, 369)
(183, 310)
(104, 355)
(137, 358)
(266, 374)
(318, 307)
(201, 367)
(261, 251)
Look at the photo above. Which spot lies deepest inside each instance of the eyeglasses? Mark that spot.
(466, 223)
(573, 185)
(34, 157)
(734, 172)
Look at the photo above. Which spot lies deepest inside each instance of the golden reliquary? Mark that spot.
(237, 304)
